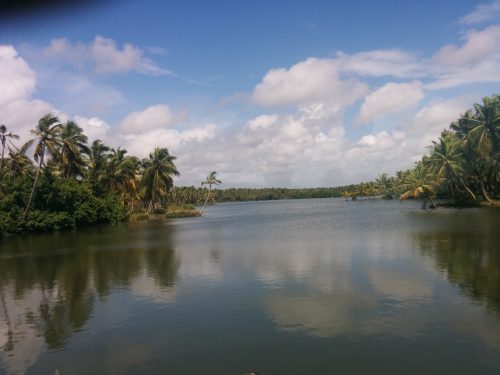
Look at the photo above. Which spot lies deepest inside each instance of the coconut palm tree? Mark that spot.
(18, 164)
(418, 183)
(47, 141)
(384, 184)
(447, 163)
(98, 157)
(73, 148)
(210, 180)
(121, 174)
(480, 131)
(158, 170)
(4, 136)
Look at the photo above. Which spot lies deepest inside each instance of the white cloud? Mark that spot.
(379, 63)
(103, 56)
(17, 80)
(143, 143)
(482, 13)
(477, 60)
(18, 111)
(93, 127)
(391, 97)
(310, 81)
(478, 45)
(154, 117)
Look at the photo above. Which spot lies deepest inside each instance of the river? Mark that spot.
(316, 286)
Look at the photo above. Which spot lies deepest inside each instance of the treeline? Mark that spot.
(462, 164)
(197, 195)
(67, 183)
(73, 184)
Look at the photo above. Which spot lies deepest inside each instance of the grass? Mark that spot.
(171, 212)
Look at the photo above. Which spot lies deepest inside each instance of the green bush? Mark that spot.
(59, 204)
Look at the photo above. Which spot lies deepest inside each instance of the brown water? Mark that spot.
(287, 287)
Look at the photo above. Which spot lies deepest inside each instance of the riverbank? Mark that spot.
(171, 212)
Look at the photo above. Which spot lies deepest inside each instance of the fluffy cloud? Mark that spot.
(154, 117)
(482, 13)
(391, 97)
(17, 80)
(309, 81)
(103, 56)
(477, 60)
(17, 109)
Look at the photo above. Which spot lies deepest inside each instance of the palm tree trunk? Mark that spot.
(484, 192)
(206, 200)
(32, 194)
(3, 152)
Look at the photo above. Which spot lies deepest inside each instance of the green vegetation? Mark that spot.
(73, 185)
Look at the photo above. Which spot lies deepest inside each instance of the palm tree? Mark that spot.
(446, 161)
(47, 137)
(210, 180)
(4, 136)
(98, 157)
(73, 148)
(121, 173)
(157, 180)
(480, 131)
(384, 184)
(419, 182)
(18, 164)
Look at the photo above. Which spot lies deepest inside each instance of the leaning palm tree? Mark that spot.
(418, 183)
(4, 136)
(480, 131)
(447, 163)
(48, 141)
(98, 157)
(158, 170)
(73, 148)
(210, 180)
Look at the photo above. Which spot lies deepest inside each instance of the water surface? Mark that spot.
(285, 287)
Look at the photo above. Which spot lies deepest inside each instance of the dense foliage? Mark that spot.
(72, 184)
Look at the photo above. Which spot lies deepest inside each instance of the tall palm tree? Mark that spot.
(418, 183)
(446, 161)
(98, 157)
(120, 173)
(210, 180)
(73, 148)
(48, 141)
(158, 170)
(4, 136)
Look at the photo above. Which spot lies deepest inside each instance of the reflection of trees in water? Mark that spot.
(52, 287)
(470, 259)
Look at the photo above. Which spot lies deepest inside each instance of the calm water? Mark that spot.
(287, 287)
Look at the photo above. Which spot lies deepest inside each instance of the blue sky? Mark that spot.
(283, 93)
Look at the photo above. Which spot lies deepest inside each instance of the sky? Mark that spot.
(268, 94)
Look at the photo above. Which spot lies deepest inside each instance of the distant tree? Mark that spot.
(4, 136)
(210, 180)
